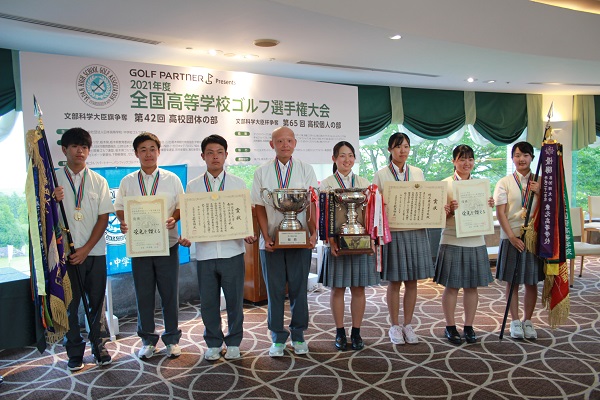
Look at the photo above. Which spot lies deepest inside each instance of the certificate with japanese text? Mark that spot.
(212, 216)
(415, 205)
(474, 215)
(146, 218)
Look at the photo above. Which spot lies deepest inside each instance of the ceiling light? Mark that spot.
(214, 52)
(266, 42)
(471, 79)
(396, 37)
(250, 56)
(490, 81)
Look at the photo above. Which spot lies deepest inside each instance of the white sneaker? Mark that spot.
(276, 350)
(146, 352)
(409, 334)
(173, 350)
(300, 347)
(396, 335)
(529, 331)
(516, 329)
(232, 353)
(212, 353)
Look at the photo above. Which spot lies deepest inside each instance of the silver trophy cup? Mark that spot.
(352, 198)
(290, 202)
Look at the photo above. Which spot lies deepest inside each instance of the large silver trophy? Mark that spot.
(290, 202)
(352, 237)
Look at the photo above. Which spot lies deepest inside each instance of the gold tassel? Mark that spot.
(68, 291)
(530, 239)
(559, 315)
(547, 290)
(60, 319)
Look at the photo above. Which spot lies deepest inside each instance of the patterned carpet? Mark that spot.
(561, 364)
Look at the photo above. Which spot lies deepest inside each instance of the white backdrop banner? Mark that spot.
(117, 100)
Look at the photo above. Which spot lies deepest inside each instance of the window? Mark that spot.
(14, 243)
(434, 157)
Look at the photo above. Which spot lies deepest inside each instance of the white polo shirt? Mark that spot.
(95, 202)
(302, 177)
(507, 192)
(331, 182)
(219, 248)
(168, 184)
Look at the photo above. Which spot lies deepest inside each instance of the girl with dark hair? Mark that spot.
(461, 262)
(408, 257)
(342, 271)
(512, 194)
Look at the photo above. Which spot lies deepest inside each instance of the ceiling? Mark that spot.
(526, 47)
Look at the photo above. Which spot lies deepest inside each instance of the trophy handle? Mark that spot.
(262, 195)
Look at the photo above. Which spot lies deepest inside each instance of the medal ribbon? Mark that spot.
(406, 174)
(283, 183)
(340, 181)
(524, 193)
(208, 186)
(143, 185)
(79, 193)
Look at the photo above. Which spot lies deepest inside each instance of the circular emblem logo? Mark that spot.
(113, 233)
(98, 86)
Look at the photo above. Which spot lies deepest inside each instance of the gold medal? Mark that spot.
(78, 215)
(523, 213)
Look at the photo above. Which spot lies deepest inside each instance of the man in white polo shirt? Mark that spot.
(87, 205)
(288, 266)
(220, 264)
(154, 272)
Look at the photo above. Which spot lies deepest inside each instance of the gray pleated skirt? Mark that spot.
(349, 271)
(532, 268)
(462, 267)
(407, 257)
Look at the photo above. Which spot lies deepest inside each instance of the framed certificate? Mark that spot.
(146, 218)
(212, 216)
(415, 205)
(474, 215)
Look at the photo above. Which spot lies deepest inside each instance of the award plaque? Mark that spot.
(352, 237)
(290, 202)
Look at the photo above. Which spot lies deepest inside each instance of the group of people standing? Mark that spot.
(461, 262)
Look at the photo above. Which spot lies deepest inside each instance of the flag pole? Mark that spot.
(38, 113)
(521, 254)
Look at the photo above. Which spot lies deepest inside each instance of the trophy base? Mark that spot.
(292, 239)
(354, 244)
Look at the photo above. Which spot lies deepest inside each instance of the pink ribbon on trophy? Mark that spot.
(376, 222)
(314, 198)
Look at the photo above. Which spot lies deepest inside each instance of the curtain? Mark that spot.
(535, 123)
(8, 93)
(501, 117)
(374, 109)
(433, 114)
(584, 121)
(597, 113)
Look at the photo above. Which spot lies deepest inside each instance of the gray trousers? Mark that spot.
(150, 273)
(93, 275)
(226, 273)
(291, 267)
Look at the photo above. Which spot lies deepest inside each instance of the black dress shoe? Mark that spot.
(452, 335)
(341, 342)
(357, 342)
(470, 335)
